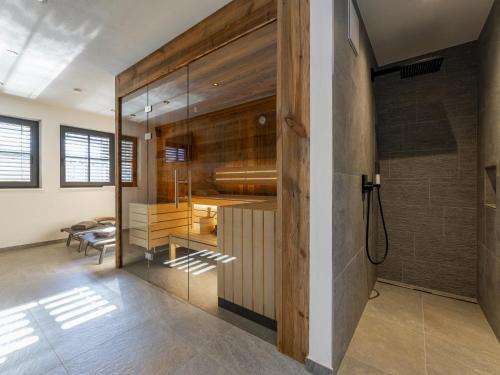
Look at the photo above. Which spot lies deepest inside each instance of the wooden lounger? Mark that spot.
(101, 244)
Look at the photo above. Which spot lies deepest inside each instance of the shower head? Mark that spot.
(416, 68)
(423, 66)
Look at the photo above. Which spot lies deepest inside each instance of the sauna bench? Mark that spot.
(151, 225)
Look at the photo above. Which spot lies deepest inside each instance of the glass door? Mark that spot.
(169, 183)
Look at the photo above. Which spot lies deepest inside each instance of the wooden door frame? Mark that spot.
(233, 21)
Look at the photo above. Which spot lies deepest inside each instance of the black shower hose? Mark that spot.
(367, 238)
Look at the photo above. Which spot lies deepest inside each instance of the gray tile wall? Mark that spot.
(427, 145)
(354, 148)
(489, 155)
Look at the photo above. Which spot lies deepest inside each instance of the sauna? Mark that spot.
(199, 161)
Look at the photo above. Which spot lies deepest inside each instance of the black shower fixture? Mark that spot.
(416, 68)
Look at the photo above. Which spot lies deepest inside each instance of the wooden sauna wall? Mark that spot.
(248, 234)
(230, 138)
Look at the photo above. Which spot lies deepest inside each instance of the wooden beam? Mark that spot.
(292, 220)
(231, 22)
(118, 182)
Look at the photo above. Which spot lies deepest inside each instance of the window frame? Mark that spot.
(135, 153)
(89, 132)
(34, 182)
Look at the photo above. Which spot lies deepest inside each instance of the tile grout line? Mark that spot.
(50, 344)
(423, 328)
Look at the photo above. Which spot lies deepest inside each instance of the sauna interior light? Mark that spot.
(215, 84)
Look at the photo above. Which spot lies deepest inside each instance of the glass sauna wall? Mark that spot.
(201, 221)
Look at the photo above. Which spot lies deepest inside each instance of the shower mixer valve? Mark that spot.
(367, 185)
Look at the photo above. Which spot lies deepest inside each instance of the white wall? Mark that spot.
(36, 215)
(321, 221)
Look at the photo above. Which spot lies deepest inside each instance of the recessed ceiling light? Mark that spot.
(166, 102)
(215, 84)
(12, 52)
(77, 89)
(42, 1)
(132, 115)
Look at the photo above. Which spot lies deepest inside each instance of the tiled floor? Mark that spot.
(111, 322)
(408, 332)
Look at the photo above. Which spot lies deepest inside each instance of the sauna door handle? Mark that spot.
(176, 188)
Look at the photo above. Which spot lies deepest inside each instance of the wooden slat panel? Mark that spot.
(138, 208)
(230, 22)
(168, 224)
(247, 259)
(169, 216)
(139, 234)
(237, 252)
(228, 249)
(269, 233)
(292, 268)
(220, 249)
(165, 208)
(138, 241)
(158, 242)
(139, 218)
(258, 258)
(163, 233)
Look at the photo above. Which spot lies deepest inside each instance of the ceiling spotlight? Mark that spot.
(132, 115)
(12, 52)
(215, 84)
(166, 102)
(77, 89)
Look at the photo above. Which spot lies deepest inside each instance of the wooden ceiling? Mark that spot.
(240, 72)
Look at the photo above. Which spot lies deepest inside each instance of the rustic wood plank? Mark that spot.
(220, 249)
(292, 266)
(258, 260)
(228, 249)
(237, 252)
(268, 260)
(234, 20)
(247, 259)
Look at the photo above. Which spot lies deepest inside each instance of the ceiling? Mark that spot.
(60, 45)
(402, 29)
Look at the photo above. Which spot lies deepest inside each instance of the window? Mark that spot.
(87, 157)
(18, 153)
(129, 161)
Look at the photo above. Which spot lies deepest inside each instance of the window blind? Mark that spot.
(18, 152)
(87, 158)
(128, 155)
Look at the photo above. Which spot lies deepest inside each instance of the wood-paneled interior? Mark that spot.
(231, 22)
(293, 178)
(247, 233)
(231, 139)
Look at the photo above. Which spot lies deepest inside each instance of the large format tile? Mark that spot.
(247, 354)
(398, 306)
(458, 322)
(150, 349)
(385, 345)
(351, 366)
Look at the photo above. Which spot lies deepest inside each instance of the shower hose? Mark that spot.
(367, 238)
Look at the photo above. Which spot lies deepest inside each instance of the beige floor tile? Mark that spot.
(351, 366)
(446, 357)
(397, 305)
(458, 322)
(388, 346)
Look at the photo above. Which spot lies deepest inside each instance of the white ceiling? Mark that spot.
(67, 44)
(402, 29)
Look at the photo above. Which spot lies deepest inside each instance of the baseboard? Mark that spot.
(428, 290)
(35, 244)
(248, 314)
(317, 369)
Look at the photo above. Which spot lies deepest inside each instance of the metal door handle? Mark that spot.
(176, 190)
